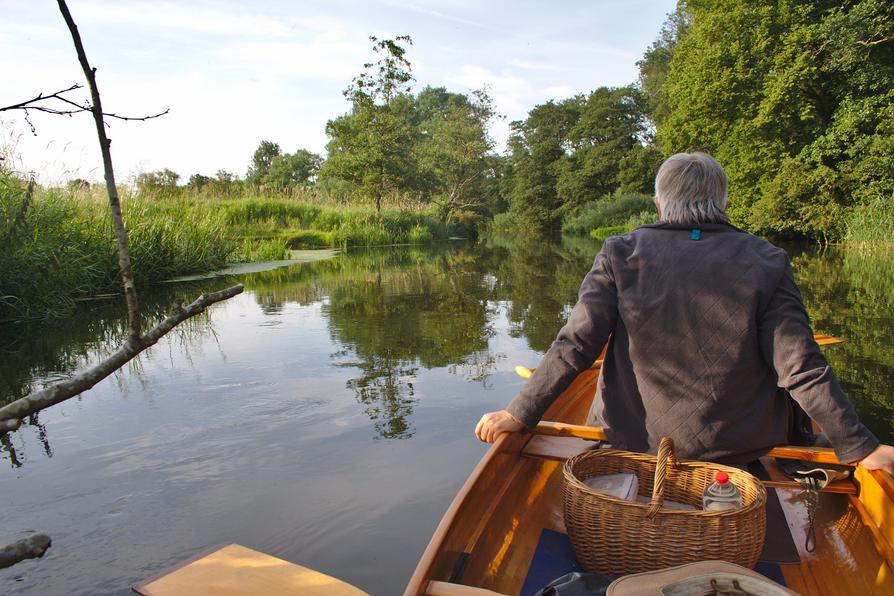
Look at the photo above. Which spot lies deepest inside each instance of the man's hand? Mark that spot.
(880, 459)
(493, 423)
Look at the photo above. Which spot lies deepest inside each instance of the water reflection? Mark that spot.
(391, 312)
(326, 411)
(851, 295)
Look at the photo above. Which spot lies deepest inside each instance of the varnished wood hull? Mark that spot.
(489, 533)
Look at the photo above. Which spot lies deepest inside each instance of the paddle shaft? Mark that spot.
(821, 455)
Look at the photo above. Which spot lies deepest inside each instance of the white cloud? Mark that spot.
(559, 91)
(205, 18)
(438, 14)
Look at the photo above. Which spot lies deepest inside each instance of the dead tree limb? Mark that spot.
(30, 547)
(130, 289)
(44, 103)
(13, 413)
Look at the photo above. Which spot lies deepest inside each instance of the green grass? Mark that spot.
(59, 246)
(870, 227)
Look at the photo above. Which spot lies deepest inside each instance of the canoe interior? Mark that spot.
(488, 535)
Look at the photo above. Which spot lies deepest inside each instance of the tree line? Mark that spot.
(795, 98)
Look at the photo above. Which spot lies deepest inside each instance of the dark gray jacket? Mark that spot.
(703, 332)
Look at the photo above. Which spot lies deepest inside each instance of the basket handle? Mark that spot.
(664, 458)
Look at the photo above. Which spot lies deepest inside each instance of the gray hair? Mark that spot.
(691, 189)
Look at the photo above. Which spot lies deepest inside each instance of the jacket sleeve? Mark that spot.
(802, 370)
(577, 345)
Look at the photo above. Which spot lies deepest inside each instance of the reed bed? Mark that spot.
(59, 245)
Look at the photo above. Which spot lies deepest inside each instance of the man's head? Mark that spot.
(690, 188)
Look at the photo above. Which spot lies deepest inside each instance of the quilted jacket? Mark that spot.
(707, 332)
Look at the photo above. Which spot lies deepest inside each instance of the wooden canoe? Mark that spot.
(487, 538)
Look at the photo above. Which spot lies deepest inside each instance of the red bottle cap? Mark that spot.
(721, 477)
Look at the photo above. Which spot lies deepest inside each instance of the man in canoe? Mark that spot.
(705, 324)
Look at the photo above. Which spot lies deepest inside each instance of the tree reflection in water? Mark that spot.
(386, 392)
(392, 312)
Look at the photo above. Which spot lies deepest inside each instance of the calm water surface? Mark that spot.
(326, 415)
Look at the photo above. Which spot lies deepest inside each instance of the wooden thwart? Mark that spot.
(821, 455)
(234, 570)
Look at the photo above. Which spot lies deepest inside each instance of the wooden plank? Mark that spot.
(876, 504)
(464, 515)
(824, 455)
(502, 555)
(845, 560)
(235, 570)
(556, 447)
(437, 588)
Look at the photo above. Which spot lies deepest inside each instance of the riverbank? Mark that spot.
(59, 246)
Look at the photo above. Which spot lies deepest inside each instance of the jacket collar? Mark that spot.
(713, 227)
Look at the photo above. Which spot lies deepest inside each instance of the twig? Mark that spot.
(36, 104)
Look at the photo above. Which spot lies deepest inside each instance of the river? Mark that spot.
(324, 416)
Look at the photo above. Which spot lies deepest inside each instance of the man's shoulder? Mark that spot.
(724, 241)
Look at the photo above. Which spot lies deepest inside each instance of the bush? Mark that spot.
(603, 233)
(419, 235)
(255, 250)
(506, 223)
(641, 219)
(610, 210)
(311, 239)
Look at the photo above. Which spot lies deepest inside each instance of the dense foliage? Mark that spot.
(795, 98)
(576, 152)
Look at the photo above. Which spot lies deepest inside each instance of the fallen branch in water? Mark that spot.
(31, 547)
(11, 415)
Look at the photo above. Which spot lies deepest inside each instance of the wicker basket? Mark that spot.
(617, 537)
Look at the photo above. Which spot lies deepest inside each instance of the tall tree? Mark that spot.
(261, 161)
(456, 149)
(372, 146)
(536, 145)
(607, 149)
(292, 169)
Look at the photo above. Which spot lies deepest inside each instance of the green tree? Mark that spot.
(456, 149)
(261, 161)
(198, 181)
(77, 185)
(605, 149)
(795, 98)
(292, 169)
(225, 184)
(158, 183)
(373, 146)
(536, 145)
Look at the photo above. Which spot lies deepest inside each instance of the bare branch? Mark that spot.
(874, 42)
(41, 97)
(12, 413)
(38, 104)
(31, 547)
(130, 289)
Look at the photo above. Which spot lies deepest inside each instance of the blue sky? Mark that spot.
(234, 73)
